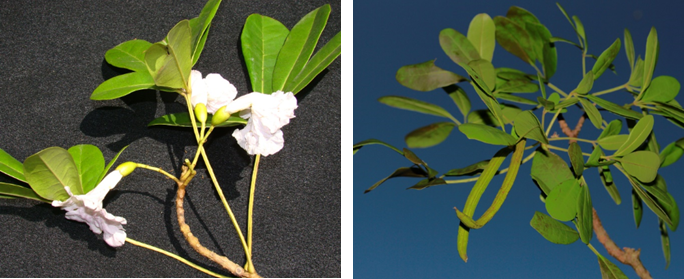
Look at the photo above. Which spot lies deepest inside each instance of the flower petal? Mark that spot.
(220, 92)
(199, 88)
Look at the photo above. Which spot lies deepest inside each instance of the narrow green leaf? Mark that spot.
(549, 170)
(199, 27)
(670, 154)
(360, 144)
(49, 170)
(518, 86)
(512, 74)
(415, 105)
(428, 182)
(481, 33)
(527, 125)
(559, 39)
(169, 63)
(561, 203)
(614, 108)
(646, 198)
(609, 270)
(613, 128)
(430, 135)
(123, 85)
(460, 98)
(637, 136)
(321, 60)
(606, 59)
(592, 112)
(12, 190)
(658, 190)
(261, 40)
(11, 166)
(566, 16)
(514, 39)
(576, 158)
(514, 98)
(483, 116)
(584, 215)
(182, 119)
(608, 183)
(629, 48)
(636, 79)
(553, 230)
(637, 208)
(469, 170)
(672, 111)
(585, 84)
(485, 70)
(457, 46)
(110, 164)
(665, 241)
(426, 76)
(486, 134)
(663, 89)
(579, 27)
(413, 157)
(90, 164)
(641, 164)
(400, 172)
(651, 57)
(298, 47)
(129, 55)
(593, 160)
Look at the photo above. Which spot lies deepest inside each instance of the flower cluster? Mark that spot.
(265, 113)
(87, 208)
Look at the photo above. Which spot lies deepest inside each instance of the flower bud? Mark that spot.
(126, 168)
(220, 116)
(201, 113)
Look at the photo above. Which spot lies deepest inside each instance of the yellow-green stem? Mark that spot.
(172, 255)
(157, 170)
(558, 90)
(577, 139)
(252, 188)
(563, 149)
(611, 90)
(552, 121)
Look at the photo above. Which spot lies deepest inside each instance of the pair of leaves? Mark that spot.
(671, 153)
(549, 170)
(165, 65)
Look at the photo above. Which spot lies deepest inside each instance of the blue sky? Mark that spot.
(407, 233)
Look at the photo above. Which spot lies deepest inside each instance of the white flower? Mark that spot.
(267, 114)
(88, 209)
(213, 91)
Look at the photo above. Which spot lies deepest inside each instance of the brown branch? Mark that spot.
(234, 268)
(626, 255)
(566, 129)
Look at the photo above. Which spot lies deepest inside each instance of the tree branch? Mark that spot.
(628, 256)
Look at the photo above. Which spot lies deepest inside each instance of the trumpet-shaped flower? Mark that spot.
(267, 114)
(87, 208)
(213, 91)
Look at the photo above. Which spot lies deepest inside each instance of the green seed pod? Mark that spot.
(220, 116)
(201, 113)
(126, 168)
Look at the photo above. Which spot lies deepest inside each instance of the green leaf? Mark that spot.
(298, 47)
(592, 112)
(663, 89)
(261, 40)
(12, 190)
(321, 60)
(512, 74)
(584, 214)
(430, 135)
(613, 128)
(182, 119)
(658, 189)
(199, 27)
(527, 125)
(586, 83)
(129, 55)
(651, 57)
(561, 203)
(110, 164)
(549, 170)
(518, 86)
(613, 142)
(414, 105)
(579, 27)
(90, 164)
(469, 170)
(576, 158)
(641, 164)
(49, 170)
(552, 229)
(482, 116)
(486, 134)
(460, 98)
(428, 182)
(629, 48)
(11, 166)
(566, 16)
(637, 208)
(514, 98)
(426, 76)
(671, 153)
(608, 183)
(123, 85)
(485, 70)
(360, 144)
(457, 47)
(665, 241)
(671, 111)
(559, 39)
(593, 160)
(481, 33)
(637, 136)
(514, 39)
(170, 63)
(412, 157)
(614, 108)
(637, 77)
(609, 270)
(400, 172)
(606, 59)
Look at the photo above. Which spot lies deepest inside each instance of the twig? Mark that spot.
(628, 256)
